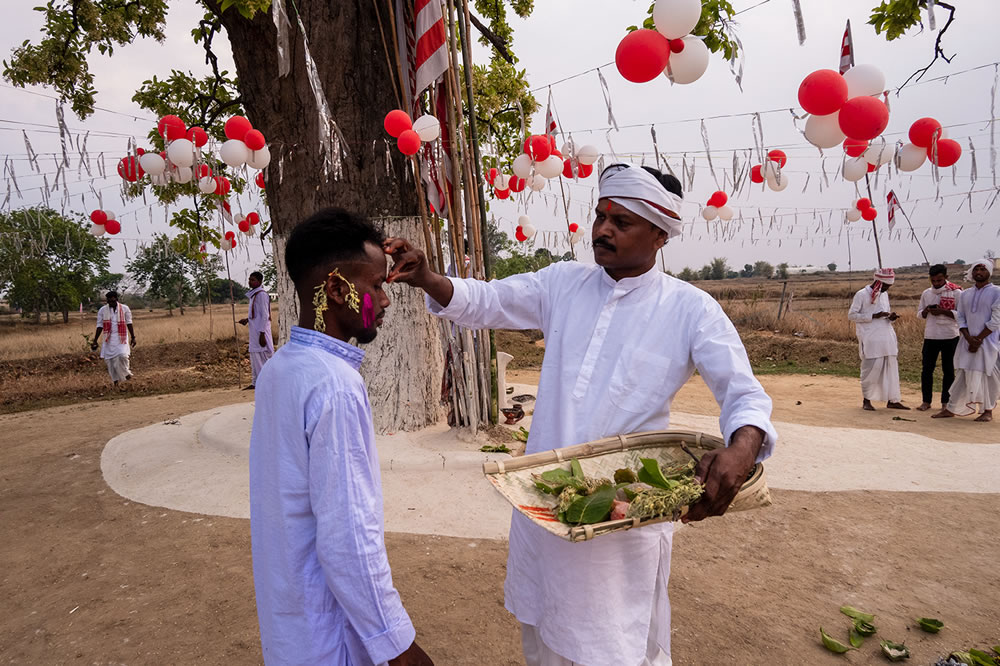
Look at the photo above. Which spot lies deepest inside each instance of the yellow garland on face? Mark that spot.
(320, 304)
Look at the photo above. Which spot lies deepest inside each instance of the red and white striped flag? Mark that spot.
(423, 44)
(893, 204)
(847, 50)
(550, 121)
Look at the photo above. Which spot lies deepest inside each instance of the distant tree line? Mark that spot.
(719, 269)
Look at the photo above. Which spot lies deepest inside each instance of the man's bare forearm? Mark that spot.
(749, 439)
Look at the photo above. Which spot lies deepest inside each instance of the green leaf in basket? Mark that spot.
(895, 651)
(548, 488)
(832, 644)
(625, 475)
(653, 475)
(864, 628)
(577, 470)
(996, 648)
(855, 614)
(929, 624)
(857, 640)
(593, 508)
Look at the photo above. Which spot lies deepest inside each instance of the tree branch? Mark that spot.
(493, 39)
(938, 51)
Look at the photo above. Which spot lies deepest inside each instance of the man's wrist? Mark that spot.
(749, 440)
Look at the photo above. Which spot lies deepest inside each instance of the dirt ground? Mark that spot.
(89, 577)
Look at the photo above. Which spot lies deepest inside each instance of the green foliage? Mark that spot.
(162, 271)
(200, 102)
(50, 262)
(270, 273)
(705, 273)
(715, 26)
(720, 269)
(687, 275)
(896, 17)
(747, 271)
(831, 267)
(764, 269)
(782, 272)
(524, 262)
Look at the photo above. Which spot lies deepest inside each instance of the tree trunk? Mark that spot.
(65, 314)
(403, 365)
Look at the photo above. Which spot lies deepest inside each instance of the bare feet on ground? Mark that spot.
(924, 406)
(986, 416)
(867, 405)
(896, 405)
(943, 414)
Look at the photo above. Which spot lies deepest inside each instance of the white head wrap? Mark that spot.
(637, 190)
(987, 262)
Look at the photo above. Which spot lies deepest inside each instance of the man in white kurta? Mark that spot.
(977, 362)
(937, 305)
(616, 352)
(258, 323)
(114, 320)
(877, 343)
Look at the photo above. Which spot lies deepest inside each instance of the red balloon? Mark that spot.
(204, 171)
(171, 127)
(922, 132)
(492, 174)
(872, 167)
(869, 214)
(408, 142)
(259, 179)
(552, 144)
(244, 226)
(718, 199)
(755, 175)
(222, 185)
(539, 147)
(237, 128)
(948, 152)
(129, 169)
(233, 241)
(140, 151)
(396, 122)
(863, 118)
(568, 168)
(253, 218)
(502, 194)
(517, 184)
(98, 217)
(254, 139)
(584, 170)
(676, 45)
(779, 157)
(519, 235)
(863, 203)
(854, 147)
(230, 234)
(574, 227)
(197, 136)
(823, 92)
(112, 227)
(642, 55)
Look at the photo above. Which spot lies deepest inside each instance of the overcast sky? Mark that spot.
(566, 37)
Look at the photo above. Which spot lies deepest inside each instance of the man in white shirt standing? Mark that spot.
(621, 338)
(937, 306)
(115, 320)
(320, 570)
(259, 321)
(877, 343)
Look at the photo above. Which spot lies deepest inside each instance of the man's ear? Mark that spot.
(336, 290)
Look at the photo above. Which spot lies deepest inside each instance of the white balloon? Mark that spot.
(110, 214)
(853, 215)
(910, 157)
(864, 80)
(502, 181)
(234, 153)
(778, 182)
(159, 179)
(824, 131)
(152, 163)
(769, 169)
(576, 236)
(180, 152)
(568, 149)
(97, 229)
(206, 185)
(725, 213)
(523, 221)
(551, 167)
(710, 213)
(427, 127)
(587, 154)
(855, 169)
(878, 154)
(528, 230)
(538, 182)
(522, 165)
(676, 18)
(184, 174)
(259, 159)
(688, 65)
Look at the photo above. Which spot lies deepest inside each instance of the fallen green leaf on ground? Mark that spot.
(855, 614)
(520, 434)
(499, 448)
(864, 628)
(982, 658)
(857, 640)
(895, 651)
(832, 644)
(929, 624)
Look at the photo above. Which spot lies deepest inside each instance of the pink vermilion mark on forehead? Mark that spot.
(615, 208)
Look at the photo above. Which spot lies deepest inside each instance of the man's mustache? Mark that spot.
(600, 242)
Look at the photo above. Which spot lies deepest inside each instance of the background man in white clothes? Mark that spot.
(115, 320)
(937, 306)
(877, 343)
(259, 321)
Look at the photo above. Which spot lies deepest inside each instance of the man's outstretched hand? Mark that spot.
(409, 264)
(414, 656)
(723, 471)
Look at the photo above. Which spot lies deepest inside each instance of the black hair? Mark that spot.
(111, 293)
(258, 275)
(669, 182)
(939, 269)
(327, 236)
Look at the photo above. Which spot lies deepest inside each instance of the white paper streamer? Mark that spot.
(607, 99)
(708, 152)
(283, 26)
(800, 24)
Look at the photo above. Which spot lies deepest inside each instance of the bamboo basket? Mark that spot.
(513, 478)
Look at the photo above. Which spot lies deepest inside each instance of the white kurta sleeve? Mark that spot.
(960, 314)
(516, 302)
(127, 313)
(720, 357)
(346, 499)
(259, 308)
(924, 302)
(994, 323)
(100, 318)
(855, 314)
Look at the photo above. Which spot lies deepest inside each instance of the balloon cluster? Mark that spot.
(843, 106)
(540, 161)
(244, 145)
(525, 230)
(862, 209)
(771, 171)
(231, 245)
(410, 133)
(716, 207)
(644, 54)
(246, 223)
(104, 222)
(927, 139)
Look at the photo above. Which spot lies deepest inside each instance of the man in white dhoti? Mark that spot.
(115, 320)
(977, 362)
(259, 321)
(877, 344)
(322, 578)
(621, 338)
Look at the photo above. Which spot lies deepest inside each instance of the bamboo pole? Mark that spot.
(878, 250)
(236, 336)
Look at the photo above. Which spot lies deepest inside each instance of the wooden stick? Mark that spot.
(385, 47)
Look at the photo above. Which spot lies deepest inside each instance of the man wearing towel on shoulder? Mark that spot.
(877, 344)
(621, 338)
(977, 362)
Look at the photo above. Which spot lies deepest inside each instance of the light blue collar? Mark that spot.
(310, 338)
